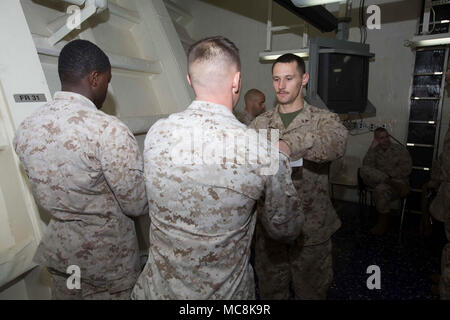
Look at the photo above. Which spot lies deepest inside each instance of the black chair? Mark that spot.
(403, 208)
(363, 191)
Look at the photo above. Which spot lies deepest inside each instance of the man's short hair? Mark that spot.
(380, 130)
(80, 57)
(288, 58)
(252, 93)
(211, 48)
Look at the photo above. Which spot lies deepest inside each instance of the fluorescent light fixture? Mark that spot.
(273, 55)
(310, 3)
(445, 21)
(430, 40)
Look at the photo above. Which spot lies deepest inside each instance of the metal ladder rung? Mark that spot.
(409, 144)
(429, 74)
(425, 64)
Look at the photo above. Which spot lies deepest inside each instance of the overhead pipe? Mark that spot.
(317, 16)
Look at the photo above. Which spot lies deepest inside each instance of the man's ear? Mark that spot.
(189, 80)
(93, 78)
(305, 78)
(236, 85)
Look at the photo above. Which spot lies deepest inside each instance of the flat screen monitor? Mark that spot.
(343, 81)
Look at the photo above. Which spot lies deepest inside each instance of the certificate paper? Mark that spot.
(298, 163)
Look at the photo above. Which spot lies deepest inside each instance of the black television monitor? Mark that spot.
(339, 76)
(343, 81)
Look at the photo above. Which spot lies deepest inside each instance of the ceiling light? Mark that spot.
(310, 3)
(273, 55)
(429, 40)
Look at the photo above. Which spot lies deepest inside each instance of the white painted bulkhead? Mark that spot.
(148, 82)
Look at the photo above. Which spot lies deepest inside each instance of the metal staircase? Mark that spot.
(425, 112)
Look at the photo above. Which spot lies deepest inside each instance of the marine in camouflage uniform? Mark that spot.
(202, 216)
(318, 137)
(437, 205)
(443, 197)
(84, 167)
(254, 106)
(386, 168)
(202, 191)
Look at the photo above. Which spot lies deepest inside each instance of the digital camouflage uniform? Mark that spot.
(84, 167)
(318, 137)
(244, 117)
(379, 165)
(437, 205)
(444, 194)
(60, 291)
(202, 213)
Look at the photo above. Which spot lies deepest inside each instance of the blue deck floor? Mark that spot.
(405, 268)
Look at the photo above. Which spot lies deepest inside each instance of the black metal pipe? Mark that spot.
(317, 16)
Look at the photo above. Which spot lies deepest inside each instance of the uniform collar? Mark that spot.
(206, 106)
(72, 96)
(246, 116)
(300, 119)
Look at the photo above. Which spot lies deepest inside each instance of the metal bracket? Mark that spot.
(271, 29)
(426, 17)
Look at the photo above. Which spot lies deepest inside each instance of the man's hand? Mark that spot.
(284, 148)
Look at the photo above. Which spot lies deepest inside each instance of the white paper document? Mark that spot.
(298, 163)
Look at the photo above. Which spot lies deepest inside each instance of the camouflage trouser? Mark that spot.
(372, 177)
(86, 292)
(277, 264)
(444, 284)
(383, 193)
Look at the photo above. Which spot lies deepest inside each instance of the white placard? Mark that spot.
(298, 163)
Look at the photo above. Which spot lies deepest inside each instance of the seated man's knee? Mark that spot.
(445, 273)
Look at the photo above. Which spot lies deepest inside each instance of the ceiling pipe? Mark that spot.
(316, 16)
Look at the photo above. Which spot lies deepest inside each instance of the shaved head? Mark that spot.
(255, 102)
(252, 94)
(212, 61)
